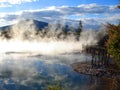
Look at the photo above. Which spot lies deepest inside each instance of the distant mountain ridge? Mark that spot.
(6, 27)
(29, 28)
(37, 24)
(67, 22)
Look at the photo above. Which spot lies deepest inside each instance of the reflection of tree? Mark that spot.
(93, 84)
(104, 84)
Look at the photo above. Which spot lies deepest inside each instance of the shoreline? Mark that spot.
(98, 70)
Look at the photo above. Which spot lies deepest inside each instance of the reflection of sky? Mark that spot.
(36, 73)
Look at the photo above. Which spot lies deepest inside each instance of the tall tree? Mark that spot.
(79, 30)
(80, 27)
(113, 43)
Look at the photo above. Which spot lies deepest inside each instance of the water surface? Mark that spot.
(37, 72)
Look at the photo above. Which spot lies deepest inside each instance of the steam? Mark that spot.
(33, 56)
(34, 70)
(52, 40)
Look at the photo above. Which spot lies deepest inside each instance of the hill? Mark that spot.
(29, 23)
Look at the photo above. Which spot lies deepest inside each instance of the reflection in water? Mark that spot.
(18, 72)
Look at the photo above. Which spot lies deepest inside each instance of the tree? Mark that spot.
(113, 43)
(118, 6)
(79, 30)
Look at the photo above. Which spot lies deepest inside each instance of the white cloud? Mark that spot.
(4, 22)
(15, 1)
(90, 14)
(2, 5)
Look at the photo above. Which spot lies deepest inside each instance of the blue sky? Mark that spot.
(37, 4)
(92, 12)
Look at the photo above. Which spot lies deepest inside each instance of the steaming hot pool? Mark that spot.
(37, 72)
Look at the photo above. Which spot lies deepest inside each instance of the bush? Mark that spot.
(113, 43)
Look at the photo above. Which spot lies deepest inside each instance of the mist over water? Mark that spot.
(33, 59)
(24, 37)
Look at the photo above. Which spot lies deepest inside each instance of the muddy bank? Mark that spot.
(98, 70)
(104, 78)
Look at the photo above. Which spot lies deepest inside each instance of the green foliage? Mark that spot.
(56, 87)
(113, 43)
